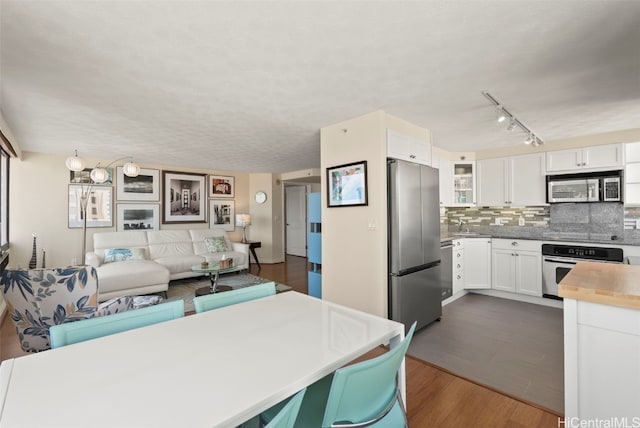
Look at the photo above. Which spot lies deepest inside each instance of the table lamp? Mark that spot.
(243, 220)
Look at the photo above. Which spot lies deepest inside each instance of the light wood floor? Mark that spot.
(436, 398)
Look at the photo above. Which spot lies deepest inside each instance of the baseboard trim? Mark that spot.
(455, 297)
(269, 261)
(521, 298)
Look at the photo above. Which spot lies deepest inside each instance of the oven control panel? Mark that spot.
(583, 252)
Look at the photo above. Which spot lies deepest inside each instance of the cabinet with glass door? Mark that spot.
(464, 183)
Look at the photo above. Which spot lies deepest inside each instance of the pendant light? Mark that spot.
(74, 163)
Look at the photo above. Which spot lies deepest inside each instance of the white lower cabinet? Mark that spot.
(503, 270)
(516, 266)
(477, 263)
(601, 354)
(458, 266)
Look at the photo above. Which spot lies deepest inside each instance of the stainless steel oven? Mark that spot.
(558, 260)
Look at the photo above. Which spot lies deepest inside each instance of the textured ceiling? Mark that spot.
(246, 86)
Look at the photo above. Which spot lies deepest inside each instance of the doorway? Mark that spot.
(295, 220)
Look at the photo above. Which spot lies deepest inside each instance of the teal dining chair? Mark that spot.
(359, 395)
(286, 417)
(231, 297)
(79, 331)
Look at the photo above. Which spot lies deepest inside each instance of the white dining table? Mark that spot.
(214, 369)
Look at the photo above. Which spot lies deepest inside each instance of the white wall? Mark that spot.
(305, 175)
(38, 203)
(354, 239)
(266, 219)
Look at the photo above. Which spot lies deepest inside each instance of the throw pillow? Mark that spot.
(121, 254)
(216, 244)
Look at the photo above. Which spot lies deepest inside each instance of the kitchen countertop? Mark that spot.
(604, 283)
(546, 236)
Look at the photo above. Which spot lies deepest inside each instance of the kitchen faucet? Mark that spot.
(460, 224)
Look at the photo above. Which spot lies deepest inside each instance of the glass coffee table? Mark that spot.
(214, 270)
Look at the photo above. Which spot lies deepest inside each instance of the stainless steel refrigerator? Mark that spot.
(414, 243)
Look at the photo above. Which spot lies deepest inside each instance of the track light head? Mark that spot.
(500, 114)
(512, 124)
(530, 139)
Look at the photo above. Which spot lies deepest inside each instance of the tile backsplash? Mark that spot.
(596, 221)
(495, 216)
(605, 219)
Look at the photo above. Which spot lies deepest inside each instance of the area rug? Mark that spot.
(185, 288)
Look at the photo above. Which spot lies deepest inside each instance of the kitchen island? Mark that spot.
(602, 342)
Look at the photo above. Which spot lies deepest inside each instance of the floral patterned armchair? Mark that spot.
(40, 298)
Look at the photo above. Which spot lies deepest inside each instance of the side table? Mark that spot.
(252, 247)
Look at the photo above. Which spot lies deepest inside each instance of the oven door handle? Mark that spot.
(566, 262)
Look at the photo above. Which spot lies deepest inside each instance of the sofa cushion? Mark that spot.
(169, 243)
(216, 244)
(179, 264)
(122, 254)
(106, 240)
(130, 274)
(199, 235)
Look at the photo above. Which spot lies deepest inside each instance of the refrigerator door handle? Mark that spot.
(417, 268)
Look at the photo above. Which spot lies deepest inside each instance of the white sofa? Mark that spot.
(168, 255)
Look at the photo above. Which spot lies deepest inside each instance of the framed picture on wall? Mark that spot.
(183, 197)
(347, 185)
(222, 214)
(84, 177)
(221, 186)
(144, 187)
(99, 206)
(138, 217)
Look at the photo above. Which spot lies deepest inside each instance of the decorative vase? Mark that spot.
(34, 258)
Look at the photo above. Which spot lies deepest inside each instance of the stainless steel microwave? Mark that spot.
(585, 187)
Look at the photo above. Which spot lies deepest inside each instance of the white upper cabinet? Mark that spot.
(587, 158)
(405, 147)
(493, 182)
(446, 182)
(516, 180)
(464, 183)
(564, 160)
(632, 174)
(528, 180)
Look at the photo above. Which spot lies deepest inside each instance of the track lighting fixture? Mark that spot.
(529, 139)
(503, 114)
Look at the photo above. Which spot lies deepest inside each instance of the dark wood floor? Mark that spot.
(435, 398)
